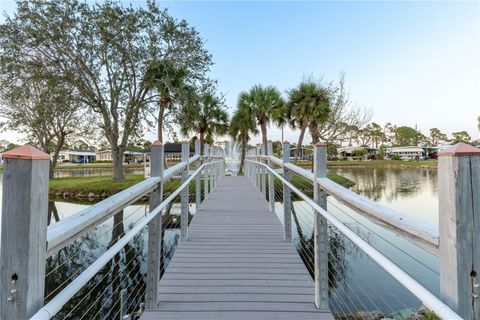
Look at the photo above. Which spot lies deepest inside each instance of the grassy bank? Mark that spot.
(374, 163)
(99, 187)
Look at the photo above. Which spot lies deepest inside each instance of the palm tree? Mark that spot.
(205, 115)
(266, 105)
(241, 125)
(169, 81)
(308, 105)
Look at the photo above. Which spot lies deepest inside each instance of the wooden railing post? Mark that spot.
(154, 262)
(263, 172)
(271, 185)
(206, 170)
(184, 193)
(459, 226)
(257, 169)
(321, 242)
(24, 232)
(198, 194)
(210, 168)
(287, 195)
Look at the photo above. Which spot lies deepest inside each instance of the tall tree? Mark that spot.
(169, 81)
(461, 136)
(104, 52)
(205, 115)
(342, 115)
(241, 126)
(43, 109)
(266, 105)
(436, 137)
(407, 136)
(376, 134)
(308, 105)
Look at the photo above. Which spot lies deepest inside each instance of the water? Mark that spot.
(357, 283)
(85, 172)
(232, 157)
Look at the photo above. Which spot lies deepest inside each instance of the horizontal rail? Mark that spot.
(427, 298)
(414, 230)
(53, 306)
(64, 232)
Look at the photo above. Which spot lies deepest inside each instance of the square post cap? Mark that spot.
(26, 152)
(320, 144)
(157, 143)
(460, 149)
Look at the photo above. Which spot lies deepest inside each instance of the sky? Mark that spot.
(410, 63)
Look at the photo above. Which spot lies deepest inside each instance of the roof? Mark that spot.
(354, 148)
(405, 149)
(26, 152)
(460, 149)
(174, 148)
(81, 153)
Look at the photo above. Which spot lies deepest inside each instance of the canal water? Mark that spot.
(356, 282)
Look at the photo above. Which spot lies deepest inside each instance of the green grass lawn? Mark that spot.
(96, 184)
(104, 186)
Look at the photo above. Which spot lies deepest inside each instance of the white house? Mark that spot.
(407, 153)
(76, 156)
(128, 156)
(347, 152)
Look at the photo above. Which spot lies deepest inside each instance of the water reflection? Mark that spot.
(410, 190)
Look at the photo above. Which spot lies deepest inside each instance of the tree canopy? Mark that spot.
(103, 52)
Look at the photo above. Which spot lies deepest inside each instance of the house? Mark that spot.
(86, 156)
(407, 153)
(173, 151)
(348, 152)
(128, 156)
(306, 153)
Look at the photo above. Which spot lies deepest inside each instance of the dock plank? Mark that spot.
(235, 264)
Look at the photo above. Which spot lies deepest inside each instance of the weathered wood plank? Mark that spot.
(235, 315)
(236, 264)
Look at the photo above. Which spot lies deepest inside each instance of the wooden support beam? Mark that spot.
(459, 222)
(24, 232)
(154, 260)
(271, 180)
(287, 195)
(184, 194)
(198, 194)
(321, 242)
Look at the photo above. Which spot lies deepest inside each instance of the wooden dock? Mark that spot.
(235, 264)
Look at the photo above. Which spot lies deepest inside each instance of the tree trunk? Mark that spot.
(54, 161)
(313, 128)
(242, 156)
(300, 141)
(162, 106)
(117, 156)
(263, 127)
(202, 143)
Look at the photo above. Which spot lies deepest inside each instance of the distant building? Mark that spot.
(347, 152)
(305, 153)
(407, 153)
(128, 156)
(86, 156)
(173, 151)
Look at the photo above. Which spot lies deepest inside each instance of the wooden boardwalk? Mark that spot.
(235, 264)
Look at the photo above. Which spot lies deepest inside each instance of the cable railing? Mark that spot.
(101, 262)
(341, 249)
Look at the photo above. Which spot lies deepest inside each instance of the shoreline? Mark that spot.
(91, 189)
